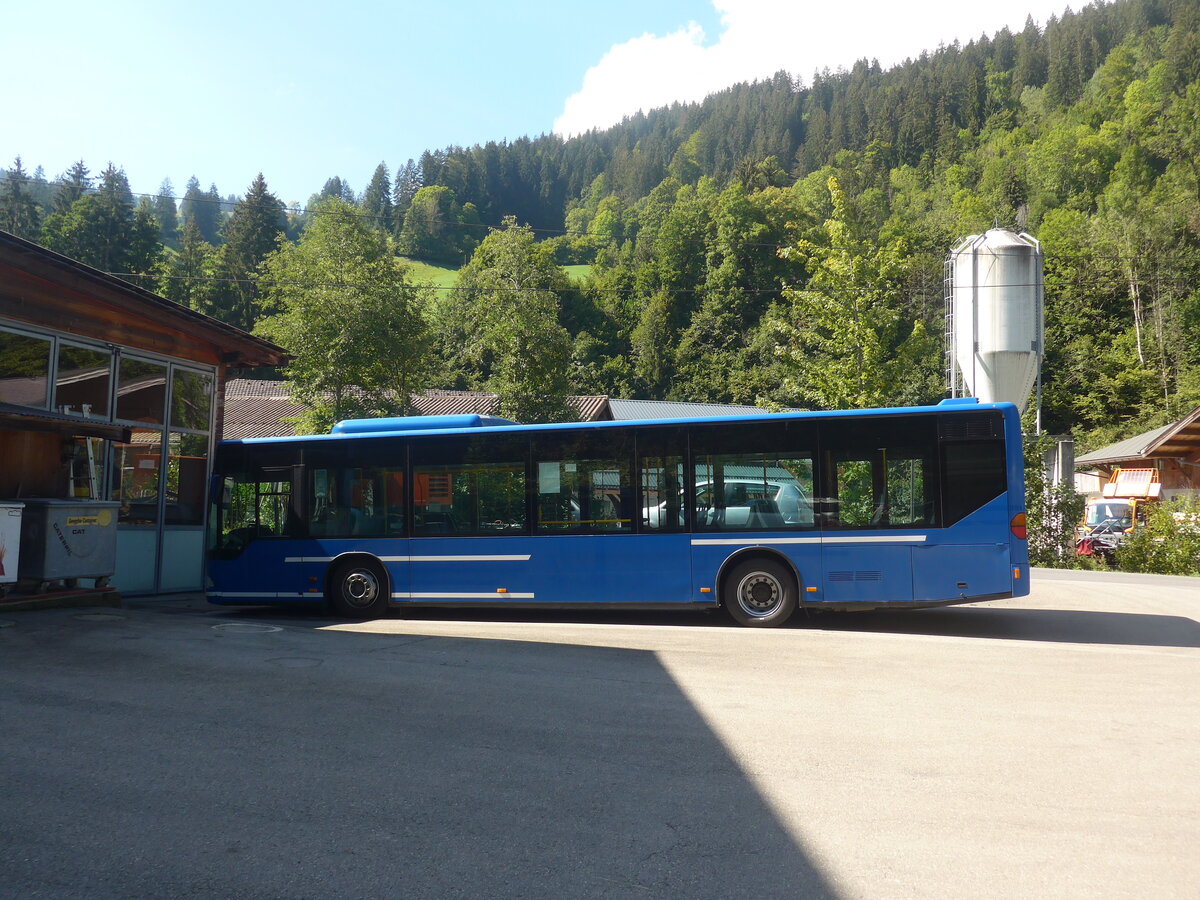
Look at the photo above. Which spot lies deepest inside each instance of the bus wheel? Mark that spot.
(358, 590)
(759, 593)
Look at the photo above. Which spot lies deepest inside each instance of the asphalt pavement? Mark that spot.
(1037, 747)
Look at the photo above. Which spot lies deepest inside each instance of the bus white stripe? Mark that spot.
(493, 595)
(270, 594)
(857, 539)
(477, 558)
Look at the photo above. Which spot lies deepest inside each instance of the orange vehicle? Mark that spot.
(1120, 508)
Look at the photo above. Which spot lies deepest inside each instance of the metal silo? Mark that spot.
(994, 323)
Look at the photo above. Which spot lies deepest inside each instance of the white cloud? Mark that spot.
(760, 37)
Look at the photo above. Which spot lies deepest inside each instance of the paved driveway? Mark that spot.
(1043, 747)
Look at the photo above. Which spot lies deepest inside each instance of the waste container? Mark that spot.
(10, 543)
(65, 540)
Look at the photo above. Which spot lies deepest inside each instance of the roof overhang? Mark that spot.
(18, 418)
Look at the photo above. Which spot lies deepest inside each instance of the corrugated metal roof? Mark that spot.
(1181, 439)
(673, 409)
(256, 408)
(1130, 448)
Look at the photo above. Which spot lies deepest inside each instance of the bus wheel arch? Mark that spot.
(357, 586)
(759, 587)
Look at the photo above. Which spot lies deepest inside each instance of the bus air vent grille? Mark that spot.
(980, 427)
(856, 576)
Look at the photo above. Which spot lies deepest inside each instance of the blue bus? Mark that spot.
(759, 514)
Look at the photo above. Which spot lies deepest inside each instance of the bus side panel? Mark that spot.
(866, 572)
(558, 570)
(949, 572)
(260, 575)
(471, 570)
(650, 568)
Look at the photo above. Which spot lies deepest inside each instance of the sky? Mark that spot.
(303, 91)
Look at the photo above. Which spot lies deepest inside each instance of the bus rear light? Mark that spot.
(1016, 574)
(1018, 525)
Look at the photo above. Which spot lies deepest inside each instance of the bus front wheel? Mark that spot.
(759, 593)
(358, 589)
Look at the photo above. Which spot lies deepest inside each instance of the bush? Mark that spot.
(1051, 510)
(1168, 544)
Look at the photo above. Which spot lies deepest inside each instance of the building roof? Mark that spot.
(45, 288)
(1178, 440)
(625, 410)
(258, 408)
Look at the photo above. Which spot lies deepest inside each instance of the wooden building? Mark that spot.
(1174, 450)
(108, 391)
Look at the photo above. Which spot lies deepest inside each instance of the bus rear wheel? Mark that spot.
(358, 589)
(759, 593)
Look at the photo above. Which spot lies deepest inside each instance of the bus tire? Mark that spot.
(759, 593)
(358, 589)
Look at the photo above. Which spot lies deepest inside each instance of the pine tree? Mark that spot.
(71, 185)
(251, 234)
(408, 182)
(19, 212)
(377, 200)
(166, 213)
(203, 208)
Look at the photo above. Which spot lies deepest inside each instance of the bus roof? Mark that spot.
(411, 426)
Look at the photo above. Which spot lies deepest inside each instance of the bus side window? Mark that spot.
(880, 472)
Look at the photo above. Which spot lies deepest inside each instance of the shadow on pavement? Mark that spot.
(1011, 623)
(995, 622)
(171, 758)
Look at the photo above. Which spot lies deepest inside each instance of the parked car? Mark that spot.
(745, 502)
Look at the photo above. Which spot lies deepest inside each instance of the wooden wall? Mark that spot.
(31, 464)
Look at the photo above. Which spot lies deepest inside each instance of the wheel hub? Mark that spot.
(759, 594)
(360, 588)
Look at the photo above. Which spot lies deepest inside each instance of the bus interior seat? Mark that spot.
(764, 514)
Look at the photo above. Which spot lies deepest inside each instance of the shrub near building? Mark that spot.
(1169, 544)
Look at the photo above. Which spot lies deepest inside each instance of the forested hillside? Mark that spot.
(781, 242)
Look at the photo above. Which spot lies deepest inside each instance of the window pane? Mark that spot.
(469, 499)
(584, 482)
(82, 381)
(470, 486)
(24, 369)
(356, 502)
(754, 491)
(141, 391)
(187, 476)
(907, 502)
(857, 503)
(662, 493)
(191, 400)
(880, 471)
(135, 480)
(974, 474)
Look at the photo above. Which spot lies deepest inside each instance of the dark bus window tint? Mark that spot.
(748, 491)
(356, 502)
(583, 482)
(907, 494)
(757, 475)
(974, 473)
(470, 486)
(255, 504)
(879, 472)
(858, 501)
(661, 479)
